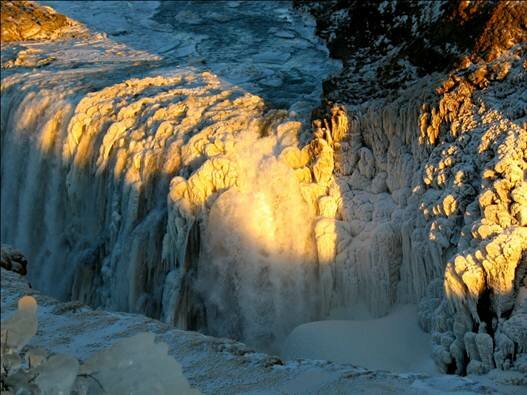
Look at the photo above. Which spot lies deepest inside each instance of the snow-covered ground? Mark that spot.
(223, 366)
(393, 342)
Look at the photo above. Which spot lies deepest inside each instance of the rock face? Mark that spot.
(438, 173)
(26, 20)
(388, 45)
(13, 260)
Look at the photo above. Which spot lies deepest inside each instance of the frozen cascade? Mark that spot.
(259, 251)
(121, 225)
(181, 196)
(128, 169)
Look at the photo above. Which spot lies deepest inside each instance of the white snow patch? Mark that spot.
(382, 343)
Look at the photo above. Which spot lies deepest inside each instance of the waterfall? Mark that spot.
(258, 267)
(183, 197)
(168, 196)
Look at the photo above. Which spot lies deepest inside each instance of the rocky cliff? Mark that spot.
(433, 169)
(26, 20)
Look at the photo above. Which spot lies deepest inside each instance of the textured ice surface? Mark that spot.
(265, 47)
(158, 186)
(131, 166)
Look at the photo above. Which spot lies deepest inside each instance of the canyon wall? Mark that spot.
(178, 195)
(434, 168)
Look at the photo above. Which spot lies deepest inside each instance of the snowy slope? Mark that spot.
(220, 366)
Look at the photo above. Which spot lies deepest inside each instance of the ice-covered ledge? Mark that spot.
(221, 365)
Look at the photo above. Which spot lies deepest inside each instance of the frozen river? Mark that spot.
(266, 47)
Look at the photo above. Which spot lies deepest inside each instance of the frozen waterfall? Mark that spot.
(182, 197)
(149, 168)
(176, 193)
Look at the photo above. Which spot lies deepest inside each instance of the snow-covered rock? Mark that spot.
(211, 365)
(452, 152)
(26, 20)
(13, 260)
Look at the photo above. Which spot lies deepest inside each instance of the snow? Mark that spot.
(257, 45)
(137, 365)
(22, 326)
(134, 365)
(393, 342)
(223, 366)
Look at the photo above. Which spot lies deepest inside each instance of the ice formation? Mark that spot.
(22, 326)
(433, 169)
(179, 195)
(136, 365)
(439, 219)
(131, 170)
(130, 189)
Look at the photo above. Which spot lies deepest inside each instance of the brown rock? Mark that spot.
(25, 20)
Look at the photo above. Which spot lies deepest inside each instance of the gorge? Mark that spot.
(162, 159)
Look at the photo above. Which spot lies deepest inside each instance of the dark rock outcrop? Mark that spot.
(13, 260)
